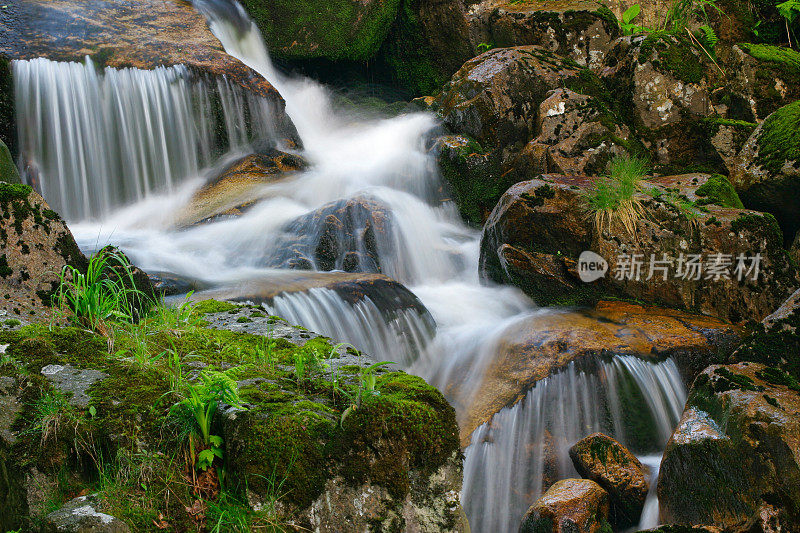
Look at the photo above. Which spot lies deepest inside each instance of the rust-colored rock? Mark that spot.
(546, 342)
(612, 466)
(571, 505)
(735, 451)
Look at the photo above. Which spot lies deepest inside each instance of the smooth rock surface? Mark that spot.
(570, 505)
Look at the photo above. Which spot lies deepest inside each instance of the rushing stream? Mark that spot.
(118, 152)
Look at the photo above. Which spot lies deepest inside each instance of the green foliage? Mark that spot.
(627, 24)
(790, 10)
(103, 293)
(613, 199)
(779, 140)
(718, 191)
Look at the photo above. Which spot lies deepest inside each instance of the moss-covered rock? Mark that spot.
(766, 76)
(293, 433)
(8, 170)
(735, 451)
(767, 172)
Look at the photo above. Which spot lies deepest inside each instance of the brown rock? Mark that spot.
(605, 461)
(579, 29)
(736, 449)
(571, 505)
(539, 229)
(545, 343)
(36, 246)
(764, 78)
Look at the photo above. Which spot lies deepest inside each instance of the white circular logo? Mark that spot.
(591, 266)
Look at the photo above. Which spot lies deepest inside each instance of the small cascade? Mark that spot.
(384, 332)
(523, 447)
(93, 140)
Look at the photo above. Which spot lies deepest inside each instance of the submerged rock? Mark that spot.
(36, 245)
(736, 451)
(767, 171)
(537, 233)
(570, 505)
(605, 461)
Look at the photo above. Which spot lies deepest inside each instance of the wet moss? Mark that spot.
(718, 191)
(760, 224)
(779, 140)
(213, 306)
(673, 54)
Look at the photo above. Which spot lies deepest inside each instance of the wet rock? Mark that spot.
(116, 33)
(133, 278)
(578, 29)
(728, 137)
(765, 78)
(609, 464)
(351, 235)
(569, 505)
(535, 236)
(735, 451)
(767, 171)
(545, 343)
(169, 284)
(663, 83)
(238, 186)
(36, 245)
(81, 515)
(73, 382)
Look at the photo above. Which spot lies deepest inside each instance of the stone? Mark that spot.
(8, 170)
(36, 245)
(735, 450)
(570, 505)
(543, 344)
(73, 382)
(537, 232)
(765, 78)
(767, 170)
(133, 278)
(578, 29)
(612, 466)
(81, 515)
(237, 187)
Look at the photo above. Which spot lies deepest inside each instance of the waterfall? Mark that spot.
(521, 447)
(92, 140)
(397, 335)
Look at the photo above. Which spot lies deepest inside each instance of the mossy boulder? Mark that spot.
(766, 77)
(336, 30)
(581, 30)
(293, 443)
(735, 454)
(569, 505)
(767, 171)
(605, 461)
(537, 232)
(8, 170)
(36, 245)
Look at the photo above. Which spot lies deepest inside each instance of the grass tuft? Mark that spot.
(613, 200)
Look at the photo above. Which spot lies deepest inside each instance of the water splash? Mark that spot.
(525, 446)
(94, 140)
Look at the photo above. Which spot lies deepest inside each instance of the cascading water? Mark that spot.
(425, 246)
(92, 141)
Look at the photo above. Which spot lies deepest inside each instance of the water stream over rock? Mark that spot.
(92, 159)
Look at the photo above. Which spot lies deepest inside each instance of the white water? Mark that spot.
(93, 141)
(428, 248)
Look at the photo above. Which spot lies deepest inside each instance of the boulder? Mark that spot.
(539, 346)
(609, 464)
(8, 170)
(36, 245)
(538, 231)
(767, 171)
(237, 187)
(570, 505)
(765, 78)
(353, 235)
(663, 86)
(144, 35)
(81, 515)
(736, 450)
(581, 30)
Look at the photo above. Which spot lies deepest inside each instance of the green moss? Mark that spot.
(674, 54)
(8, 129)
(5, 270)
(334, 30)
(784, 59)
(213, 306)
(718, 191)
(8, 170)
(760, 224)
(779, 140)
(13, 191)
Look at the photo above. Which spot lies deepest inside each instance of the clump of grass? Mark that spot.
(613, 200)
(105, 292)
